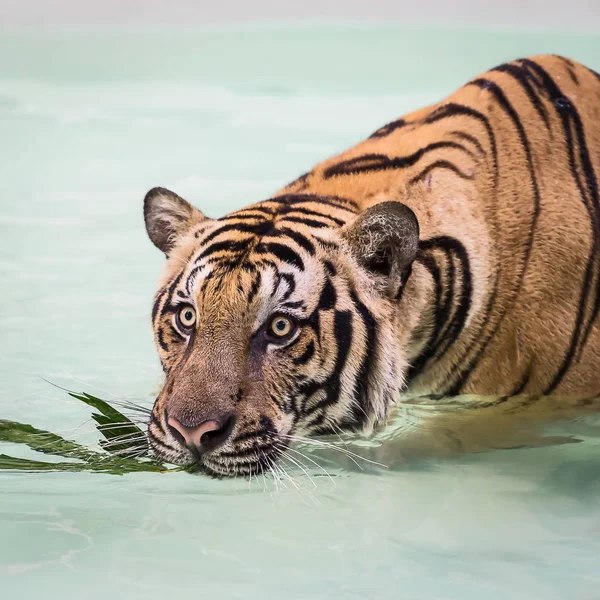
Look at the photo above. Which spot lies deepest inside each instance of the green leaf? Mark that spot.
(25, 464)
(107, 466)
(50, 443)
(120, 433)
(42, 441)
(126, 445)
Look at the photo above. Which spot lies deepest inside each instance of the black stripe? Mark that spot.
(570, 66)
(191, 278)
(306, 355)
(440, 164)
(260, 228)
(440, 317)
(360, 409)
(328, 296)
(252, 451)
(335, 201)
(156, 303)
(470, 138)
(300, 181)
(295, 210)
(155, 420)
(366, 163)
(381, 162)
(522, 77)
(457, 322)
(282, 252)
(447, 300)
(178, 334)
(308, 222)
(331, 270)
(161, 339)
(252, 212)
(171, 289)
(343, 337)
(523, 383)
(289, 279)
(500, 97)
(447, 325)
(157, 442)
(224, 246)
(389, 128)
(249, 435)
(589, 194)
(452, 109)
(571, 119)
(296, 304)
(454, 389)
(202, 229)
(340, 202)
(299, 238)
(254, 287)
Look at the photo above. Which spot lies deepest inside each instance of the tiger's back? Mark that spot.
(504, 179)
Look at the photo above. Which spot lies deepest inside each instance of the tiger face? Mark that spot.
(279, 320)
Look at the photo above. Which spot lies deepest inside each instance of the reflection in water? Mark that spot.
(424, 428)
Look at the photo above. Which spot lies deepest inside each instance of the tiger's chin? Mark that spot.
(241, 463)
(247, 467)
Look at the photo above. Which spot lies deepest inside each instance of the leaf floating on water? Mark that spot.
(114, 426)
(42, 441)
(125, 444)
(24, 464)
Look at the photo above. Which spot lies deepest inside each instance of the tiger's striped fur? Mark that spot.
(501, 297)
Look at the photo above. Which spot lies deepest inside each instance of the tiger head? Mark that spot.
(283, 319)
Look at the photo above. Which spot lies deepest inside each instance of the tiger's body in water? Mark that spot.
(455, 251)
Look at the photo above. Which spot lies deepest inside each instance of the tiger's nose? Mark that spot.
(204, 437)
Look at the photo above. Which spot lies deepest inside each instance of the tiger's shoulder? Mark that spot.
(525, 92)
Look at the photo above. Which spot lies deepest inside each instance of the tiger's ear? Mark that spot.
(384, 239)
(168, 217)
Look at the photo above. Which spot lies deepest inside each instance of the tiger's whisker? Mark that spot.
(324, 445)
(279, 469)
(297, 463)
(334, 447)
(135, 451)
(287, 475)
(111, 426)
(312, 461)
(263, 476)
(119, 442)
(339, 433)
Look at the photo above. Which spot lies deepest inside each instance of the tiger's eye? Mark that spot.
(281, 326)
(187, 317)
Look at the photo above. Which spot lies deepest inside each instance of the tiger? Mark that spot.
(454, 251)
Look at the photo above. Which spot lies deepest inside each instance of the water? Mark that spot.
(89, 121)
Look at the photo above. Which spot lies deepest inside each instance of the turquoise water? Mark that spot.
(88, 122)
